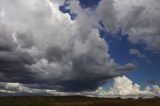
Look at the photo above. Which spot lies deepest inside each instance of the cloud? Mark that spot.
(42, 48)
(137, 53)
(11, 89)
(125, 88)
(122, 87)
(138, 18)
(106, 12)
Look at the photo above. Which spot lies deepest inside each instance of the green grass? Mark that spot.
(74, 101)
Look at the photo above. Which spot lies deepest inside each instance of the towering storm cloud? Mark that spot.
(42, 48)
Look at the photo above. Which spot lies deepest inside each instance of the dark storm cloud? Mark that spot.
(42, 48)
(12, 66)
(11, 61)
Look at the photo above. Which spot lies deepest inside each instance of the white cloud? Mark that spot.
(124, 86)
(138, 18)
(105, 11)
(9, 88)
(137, 53)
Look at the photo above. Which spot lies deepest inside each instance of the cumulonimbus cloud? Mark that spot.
(43, 48)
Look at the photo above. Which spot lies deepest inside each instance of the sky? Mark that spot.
(88, 47)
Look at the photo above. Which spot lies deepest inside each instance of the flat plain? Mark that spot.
(74, 101)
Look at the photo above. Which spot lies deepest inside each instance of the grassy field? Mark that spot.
(74, 101)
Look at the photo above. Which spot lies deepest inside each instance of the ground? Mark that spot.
(74, 101)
